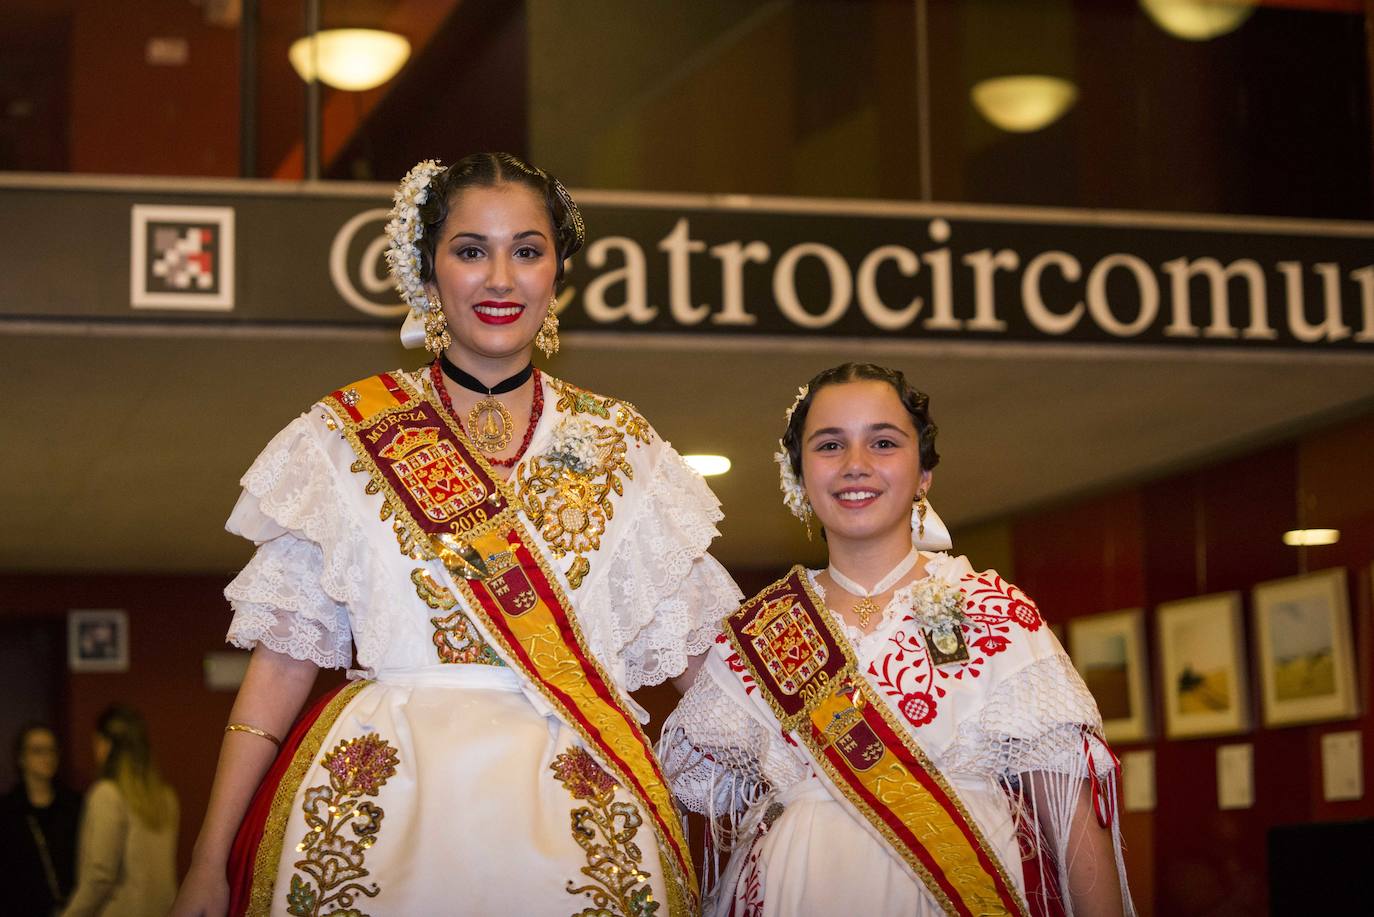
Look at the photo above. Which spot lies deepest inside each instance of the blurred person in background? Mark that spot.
(38, 822)
(126, 860)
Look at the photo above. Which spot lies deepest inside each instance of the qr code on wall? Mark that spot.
(182, 257)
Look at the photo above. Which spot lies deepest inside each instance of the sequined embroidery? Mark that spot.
(456, 640)
(333, 861)
(605, 829)
(574, 400)
(568, 493)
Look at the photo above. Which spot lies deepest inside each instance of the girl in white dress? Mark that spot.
(502, 557)
(896, 733)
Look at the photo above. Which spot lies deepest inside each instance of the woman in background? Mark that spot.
(126, 861)
(38, 821)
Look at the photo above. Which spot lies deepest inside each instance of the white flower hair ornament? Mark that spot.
(793, 493)
(403, 231)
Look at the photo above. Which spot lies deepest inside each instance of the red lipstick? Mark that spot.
(492, 312)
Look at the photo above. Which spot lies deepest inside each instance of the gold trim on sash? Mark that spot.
(807, 673)
(450, 506)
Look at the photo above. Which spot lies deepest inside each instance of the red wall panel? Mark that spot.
(1213, 529)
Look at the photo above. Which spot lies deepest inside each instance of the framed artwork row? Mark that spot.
(1304, 659)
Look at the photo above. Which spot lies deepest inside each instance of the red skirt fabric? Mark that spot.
(243, 855)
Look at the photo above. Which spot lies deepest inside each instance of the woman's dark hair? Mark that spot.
(487, 170)
(130, 764)
(916, 402)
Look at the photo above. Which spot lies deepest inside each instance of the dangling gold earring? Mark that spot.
(806, 520)
(920, 514)
(546, 339)
(437, 338)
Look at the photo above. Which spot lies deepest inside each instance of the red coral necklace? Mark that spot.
(436, 375)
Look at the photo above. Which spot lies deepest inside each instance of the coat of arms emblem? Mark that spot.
(509, 585)
(860, 745)
(433, 473)
(788, 644)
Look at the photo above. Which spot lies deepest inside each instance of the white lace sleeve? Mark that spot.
(278, 603)
(313, 564)
(721, 758)
(666, 596)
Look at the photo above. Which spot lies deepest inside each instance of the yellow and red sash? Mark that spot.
(448, 505)
(806, 672)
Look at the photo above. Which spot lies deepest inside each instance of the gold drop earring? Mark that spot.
(546, 339)
(437, 338)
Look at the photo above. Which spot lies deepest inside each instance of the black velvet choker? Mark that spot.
(473, 384)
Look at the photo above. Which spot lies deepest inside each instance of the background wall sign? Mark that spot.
(674, 264)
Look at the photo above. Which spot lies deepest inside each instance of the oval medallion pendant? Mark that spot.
(490, 426)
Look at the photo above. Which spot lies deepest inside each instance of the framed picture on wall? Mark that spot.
(1305, 652)
(1109, 652)
(98, 641)
(1202, 666)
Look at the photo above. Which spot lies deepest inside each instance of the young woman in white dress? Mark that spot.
(502, 558)
(896, 733)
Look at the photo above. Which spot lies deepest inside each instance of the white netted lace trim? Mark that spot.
(293, 487)
(660, 598)
(1032, 721)
(278, 603)
(1039, 733)
(723, 762)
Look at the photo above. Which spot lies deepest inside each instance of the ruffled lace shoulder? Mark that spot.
(313, 564)
(653, 597)
(663, 596)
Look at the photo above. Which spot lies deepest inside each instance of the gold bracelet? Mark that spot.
(253, 730)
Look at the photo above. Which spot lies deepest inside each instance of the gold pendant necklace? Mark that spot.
(490, 426)
(866, 608)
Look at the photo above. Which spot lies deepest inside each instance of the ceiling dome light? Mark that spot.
(353, 59)
(1021, 104)
(708, 465)
(1198, 20)
(1307, 537)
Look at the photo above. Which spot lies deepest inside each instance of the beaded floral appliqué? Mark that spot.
(605, 829)
(568, 491)
(993, 610)
(333, 861)
(456, 639)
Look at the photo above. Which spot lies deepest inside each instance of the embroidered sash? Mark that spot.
(807, 673)
(447, 504)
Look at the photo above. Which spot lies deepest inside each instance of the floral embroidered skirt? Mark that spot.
(441, 790)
